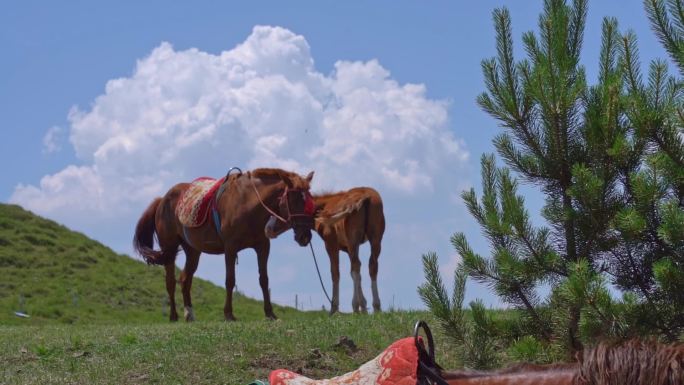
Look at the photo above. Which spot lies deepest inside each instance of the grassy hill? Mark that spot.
(58, 275)
(203, 352)
(98, 317)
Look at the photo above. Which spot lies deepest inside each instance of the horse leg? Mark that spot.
(170, 269)
(373, 271)
(334, 254)
(262, 257)
(358, 300)
(231, 257)
(191, 262)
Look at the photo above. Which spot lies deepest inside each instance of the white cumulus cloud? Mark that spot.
(52, 140)
(184, 114)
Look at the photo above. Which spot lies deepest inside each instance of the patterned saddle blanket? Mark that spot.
(193, 206)
(397, 365)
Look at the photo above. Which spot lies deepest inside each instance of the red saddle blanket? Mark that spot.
(193, 206)
(397, 365)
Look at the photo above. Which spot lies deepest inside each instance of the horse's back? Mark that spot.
(366, 192)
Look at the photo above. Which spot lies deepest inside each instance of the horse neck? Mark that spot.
(269, 190)
(562, 376)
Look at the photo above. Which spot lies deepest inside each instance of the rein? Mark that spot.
(264, 204)
(285, 196)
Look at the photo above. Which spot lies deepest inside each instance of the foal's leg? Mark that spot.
(334, 254)
(231, 257)
(191, 261)
(262, 257)
(170, 269)
(373, 271)
(358, 301)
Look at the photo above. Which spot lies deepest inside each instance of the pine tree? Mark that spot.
(650, 258)
(608, 159)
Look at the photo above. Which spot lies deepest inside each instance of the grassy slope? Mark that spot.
(57, 275)
(203, 352)
(97, 318)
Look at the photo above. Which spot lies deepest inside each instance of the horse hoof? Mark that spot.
(271, 317)
(230, 318)
(173, 318)
(189, 314)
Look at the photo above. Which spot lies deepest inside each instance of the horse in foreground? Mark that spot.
(345, 220)
(409, 361)
(232, 219)
(633, 362)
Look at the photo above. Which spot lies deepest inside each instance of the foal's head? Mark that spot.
(296, 209)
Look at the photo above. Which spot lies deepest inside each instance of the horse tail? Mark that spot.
(143, 241)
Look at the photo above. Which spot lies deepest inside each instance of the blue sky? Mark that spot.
(71, 131)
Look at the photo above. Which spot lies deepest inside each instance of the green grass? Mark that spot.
(200, 352)
(98, 317)
(58, 275)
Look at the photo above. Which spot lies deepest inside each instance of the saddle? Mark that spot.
(194, 204)
(406, 362)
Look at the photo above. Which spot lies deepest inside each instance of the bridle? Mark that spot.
(429, 373)
(307, 213)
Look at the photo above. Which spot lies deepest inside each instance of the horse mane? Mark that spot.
(635, 362)
(273, 173)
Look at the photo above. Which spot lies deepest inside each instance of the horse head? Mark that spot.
(296, 209)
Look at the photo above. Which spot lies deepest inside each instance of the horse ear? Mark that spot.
(309, 176)
(286, 180)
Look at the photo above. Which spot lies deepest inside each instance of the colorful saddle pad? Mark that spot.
(193, 206)
(397, 365)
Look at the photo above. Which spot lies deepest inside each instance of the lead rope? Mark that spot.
(319, 275)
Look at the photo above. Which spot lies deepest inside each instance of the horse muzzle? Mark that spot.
(274, 227)
(303, 237)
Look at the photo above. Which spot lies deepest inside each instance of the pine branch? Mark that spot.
(577, 21)
(630, 62)
(677, 9)
(668, 36)
(609, 49)
(434, 296)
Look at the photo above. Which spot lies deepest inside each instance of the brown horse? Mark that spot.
(345, 220)
(244, 208)
(556, 374)
(634, 362)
